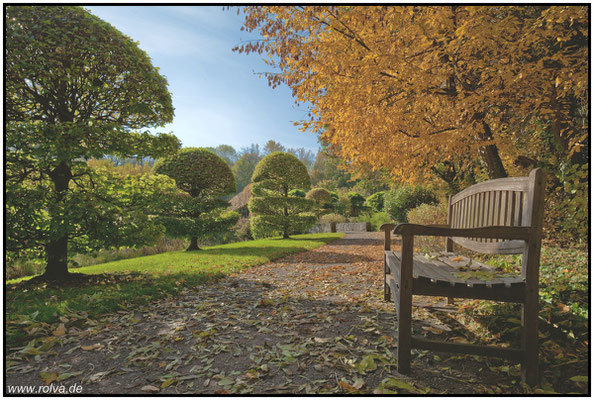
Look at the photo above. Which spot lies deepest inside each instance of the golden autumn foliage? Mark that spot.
(410, 87)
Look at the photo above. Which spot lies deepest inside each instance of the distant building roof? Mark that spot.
(241, 199)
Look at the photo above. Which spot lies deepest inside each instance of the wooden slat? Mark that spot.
(428, 272)
(496, 210)
(519, 204)
(501, 247)
(488, 212)
(446, 273)
(512, 211)
(517, 184)
(511, 295)
(505, 208)
(393, 263)
(391, 282)
(405, 300)
(513, 281)
(504, 232)
(495, 282)
(489, 351)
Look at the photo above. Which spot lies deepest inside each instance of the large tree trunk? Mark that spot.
(193, 244)
(286, 214)
(57, 248)
(490, 154)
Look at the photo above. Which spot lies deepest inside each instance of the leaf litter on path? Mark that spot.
(312, 322)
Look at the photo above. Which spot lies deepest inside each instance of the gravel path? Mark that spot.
(313, 322)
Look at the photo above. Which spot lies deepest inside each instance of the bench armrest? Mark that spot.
(490, 232)
(387, 227)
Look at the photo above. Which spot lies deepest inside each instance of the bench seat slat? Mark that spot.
(443, 270)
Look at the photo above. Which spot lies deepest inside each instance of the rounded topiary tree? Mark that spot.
(275, 210)
(322, 199)
(198, 211)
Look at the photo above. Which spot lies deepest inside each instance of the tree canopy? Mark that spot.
(76, 88)
(198, 172)
(409, 87)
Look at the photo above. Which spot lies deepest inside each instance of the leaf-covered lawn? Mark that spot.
(121, 284)
(311, 322)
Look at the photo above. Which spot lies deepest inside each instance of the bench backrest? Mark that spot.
(499, 202)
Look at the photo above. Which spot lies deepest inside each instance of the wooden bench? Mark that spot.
(500, 216)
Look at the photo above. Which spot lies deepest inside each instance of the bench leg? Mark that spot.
(530, 340)
(450, 300)
(404, 331)
(387, 294)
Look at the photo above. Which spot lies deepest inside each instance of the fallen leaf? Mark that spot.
(95, 346)
(150, 389)
(60, 330)
(398, 384)
(349, 388)
(168, 382)
(49, 377)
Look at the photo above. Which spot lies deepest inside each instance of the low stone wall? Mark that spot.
(323, 228)
(353, 227)
(341, 227)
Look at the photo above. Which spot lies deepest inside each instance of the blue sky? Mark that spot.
(217, 97)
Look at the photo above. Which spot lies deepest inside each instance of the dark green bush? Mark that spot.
(356, 203)
(297, 193)
(397, 203)
(376, 202)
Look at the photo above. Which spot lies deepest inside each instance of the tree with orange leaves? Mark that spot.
(409, 88)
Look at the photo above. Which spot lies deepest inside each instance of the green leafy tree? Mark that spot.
(243, 169)
(307, 157)
(198, 212)
(271, 146)
(275, 210)
(76, 88)
(327, 172)
(226, 152)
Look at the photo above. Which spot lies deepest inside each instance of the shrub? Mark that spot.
(319, 195)
(375, 219)
(567, 217)
(329, 218)
(297, 193)
(397, 203)
(275, 211)
(376, 202)
(427, 214)
(242, 230)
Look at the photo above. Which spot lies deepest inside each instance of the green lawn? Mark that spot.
(122, 284)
